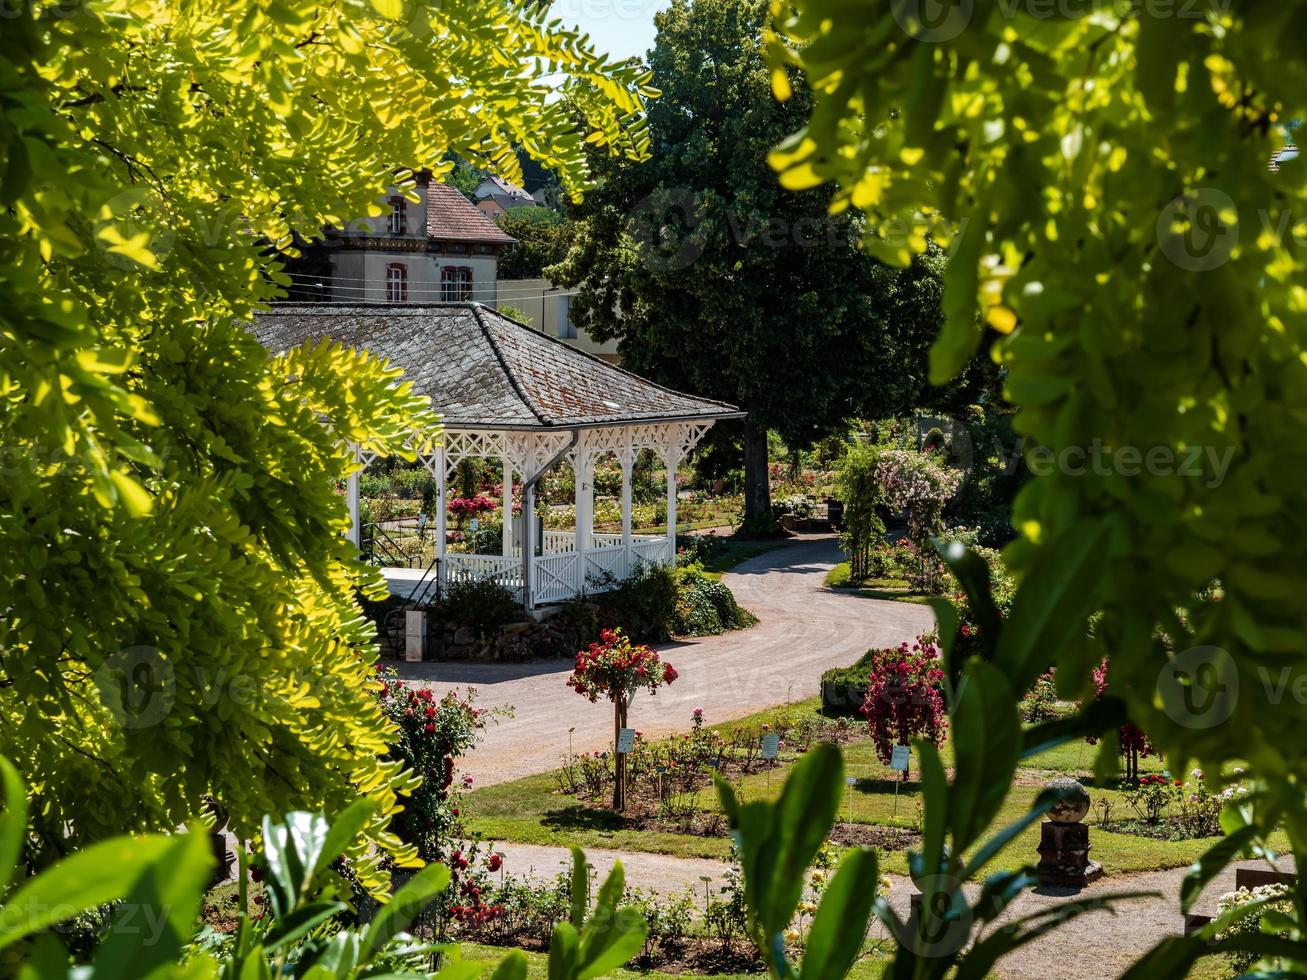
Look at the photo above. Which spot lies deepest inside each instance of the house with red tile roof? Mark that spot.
(438, 248)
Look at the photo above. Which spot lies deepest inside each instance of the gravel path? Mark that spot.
(1098, 944)
(804, 629)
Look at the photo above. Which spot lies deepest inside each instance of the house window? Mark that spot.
(398, 216)
(455, 284)
(396, 283)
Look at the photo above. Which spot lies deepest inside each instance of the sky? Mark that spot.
(620, 28)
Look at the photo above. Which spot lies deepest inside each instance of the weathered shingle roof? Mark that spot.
(451, 217)
(485, 371)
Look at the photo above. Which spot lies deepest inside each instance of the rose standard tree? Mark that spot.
(616, 669)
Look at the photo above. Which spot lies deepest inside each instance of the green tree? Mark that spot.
(719, 281)
(179, 598)
(543, 238)
(1117, 232)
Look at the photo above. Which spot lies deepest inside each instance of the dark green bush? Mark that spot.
(643, 604)
(484, 605)
(706, 607)
(843, 689)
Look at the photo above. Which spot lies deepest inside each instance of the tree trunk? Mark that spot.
(757, 492)
(619, 758)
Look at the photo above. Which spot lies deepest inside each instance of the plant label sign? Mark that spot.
(771, 746)
(626, 740)
(899, 758)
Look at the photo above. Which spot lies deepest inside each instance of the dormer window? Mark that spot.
(396, 283)
(398, 216)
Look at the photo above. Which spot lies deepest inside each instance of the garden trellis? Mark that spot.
(511, 394)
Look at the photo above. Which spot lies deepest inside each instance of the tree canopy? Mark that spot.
(719, 281)
(1104, 183)
(179, 597)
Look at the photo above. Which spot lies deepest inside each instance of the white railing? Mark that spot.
(562, 573)
(653, 551)
(504, 569)
(557, 542)
(556, 578)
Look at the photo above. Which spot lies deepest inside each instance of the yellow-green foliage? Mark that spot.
(167, 503)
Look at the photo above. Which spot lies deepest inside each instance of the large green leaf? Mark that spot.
(839, 928)
(13, 822)
(95, 875)
(394, 917)
(158, 917)
(1056, 597)
(987, 747)
(1212, 863)
(803, 816)
(610, 936)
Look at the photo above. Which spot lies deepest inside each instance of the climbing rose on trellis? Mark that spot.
(903, 697)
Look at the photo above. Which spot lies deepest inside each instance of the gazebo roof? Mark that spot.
(483, 370)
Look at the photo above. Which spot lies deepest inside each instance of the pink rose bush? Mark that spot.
(904, 700)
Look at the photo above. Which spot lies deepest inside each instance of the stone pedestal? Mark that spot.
(1064, 840)
(1064, 855)
(415, 636)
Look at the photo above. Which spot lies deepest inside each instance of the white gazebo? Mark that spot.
(528, 402)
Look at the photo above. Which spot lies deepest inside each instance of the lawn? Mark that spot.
(532, 810)
(839, 577)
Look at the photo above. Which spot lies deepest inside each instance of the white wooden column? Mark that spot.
(626, 459)
(528, 545)
(352, 497)
(583, 467)
(671, 459)
(442, 480)
(508, 507)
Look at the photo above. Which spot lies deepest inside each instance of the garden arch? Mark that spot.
(510, 394)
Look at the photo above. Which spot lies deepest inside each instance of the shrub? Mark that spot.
(484, 605)
(433, 735)
(614, 669)
(1251, 924)
(694, 549)
(903, 696)
(706, 607)
(843, 689)
(1150, 796)
(644, 603)
(1040, 701)
(1134, 741)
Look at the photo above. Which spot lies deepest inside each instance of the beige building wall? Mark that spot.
(547, 307)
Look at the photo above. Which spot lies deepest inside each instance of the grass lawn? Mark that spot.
(532, 811)
(873, 588)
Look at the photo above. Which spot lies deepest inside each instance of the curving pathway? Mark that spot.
(1102, 943)
(804, 629)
